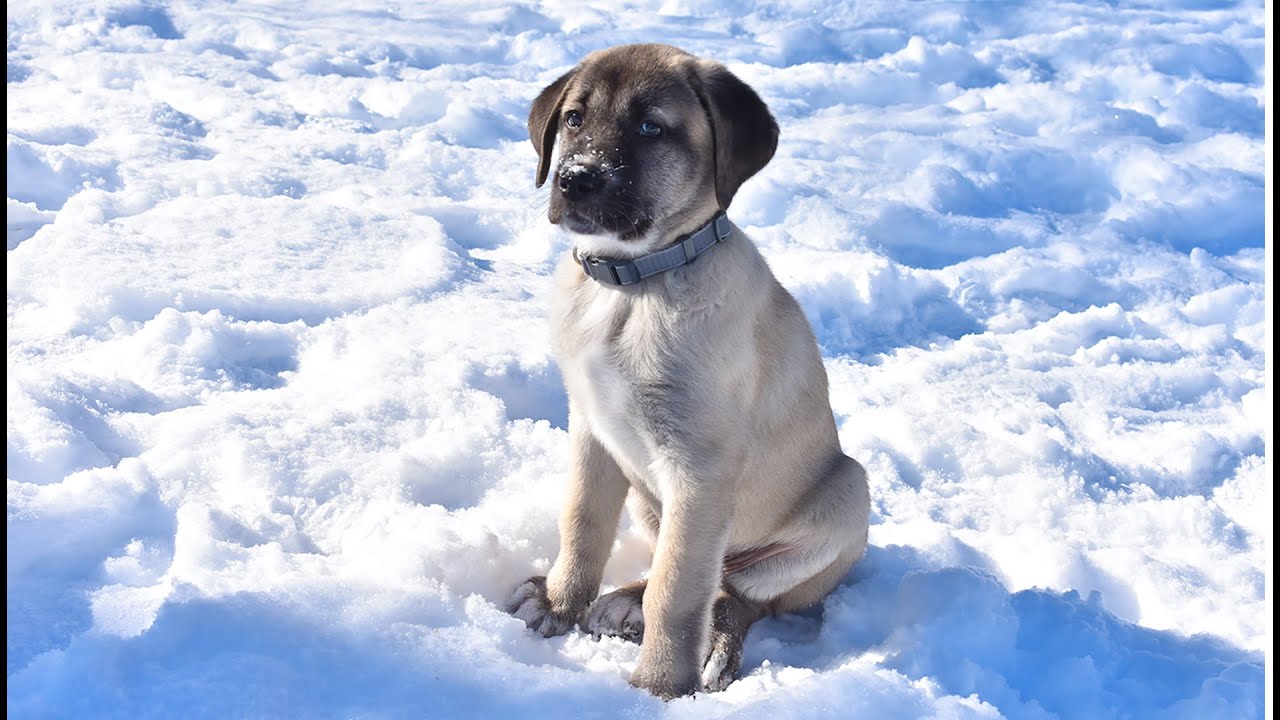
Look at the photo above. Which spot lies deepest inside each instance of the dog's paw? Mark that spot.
(724, 662)
(664, 681)
(529, 602)
(618, 613)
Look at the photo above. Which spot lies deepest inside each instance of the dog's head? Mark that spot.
(652, 141)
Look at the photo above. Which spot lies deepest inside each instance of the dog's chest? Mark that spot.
(607, 376)
(609, 401)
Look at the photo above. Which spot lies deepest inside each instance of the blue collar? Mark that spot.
(683, 252)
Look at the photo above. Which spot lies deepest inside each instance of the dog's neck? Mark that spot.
(630, 267)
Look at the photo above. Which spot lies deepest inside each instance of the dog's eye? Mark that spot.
(648, 128)
(573, 119)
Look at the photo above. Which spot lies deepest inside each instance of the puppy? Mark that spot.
(696, 388)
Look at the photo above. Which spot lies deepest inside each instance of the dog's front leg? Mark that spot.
(553, 604)
(683, 581)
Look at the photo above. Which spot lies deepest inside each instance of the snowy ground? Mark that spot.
(282, 426)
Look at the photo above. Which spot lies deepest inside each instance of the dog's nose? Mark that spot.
(579, 182)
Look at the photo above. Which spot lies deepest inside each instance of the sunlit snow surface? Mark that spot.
(283, 427)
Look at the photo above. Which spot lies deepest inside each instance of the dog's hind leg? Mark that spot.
(825, 536)
(731, 617)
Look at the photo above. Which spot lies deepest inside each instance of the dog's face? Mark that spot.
(652, 140)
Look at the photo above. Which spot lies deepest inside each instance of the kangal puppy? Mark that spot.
(695, 385)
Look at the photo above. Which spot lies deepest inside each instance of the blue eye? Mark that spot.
(650, 129)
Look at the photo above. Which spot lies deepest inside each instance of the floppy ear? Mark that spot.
(743, 129)
(544, 122)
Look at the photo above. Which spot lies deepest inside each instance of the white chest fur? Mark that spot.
(608, 399)
(603, 386)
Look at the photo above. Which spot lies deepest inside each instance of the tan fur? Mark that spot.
(699, 392)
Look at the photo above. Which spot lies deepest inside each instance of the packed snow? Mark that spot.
(283, 428)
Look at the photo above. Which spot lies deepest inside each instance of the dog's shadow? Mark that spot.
(1026, 652)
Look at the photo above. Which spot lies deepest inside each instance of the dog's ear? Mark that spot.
(743, 129)
(544, 122)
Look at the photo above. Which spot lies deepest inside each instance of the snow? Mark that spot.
(283, 426)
